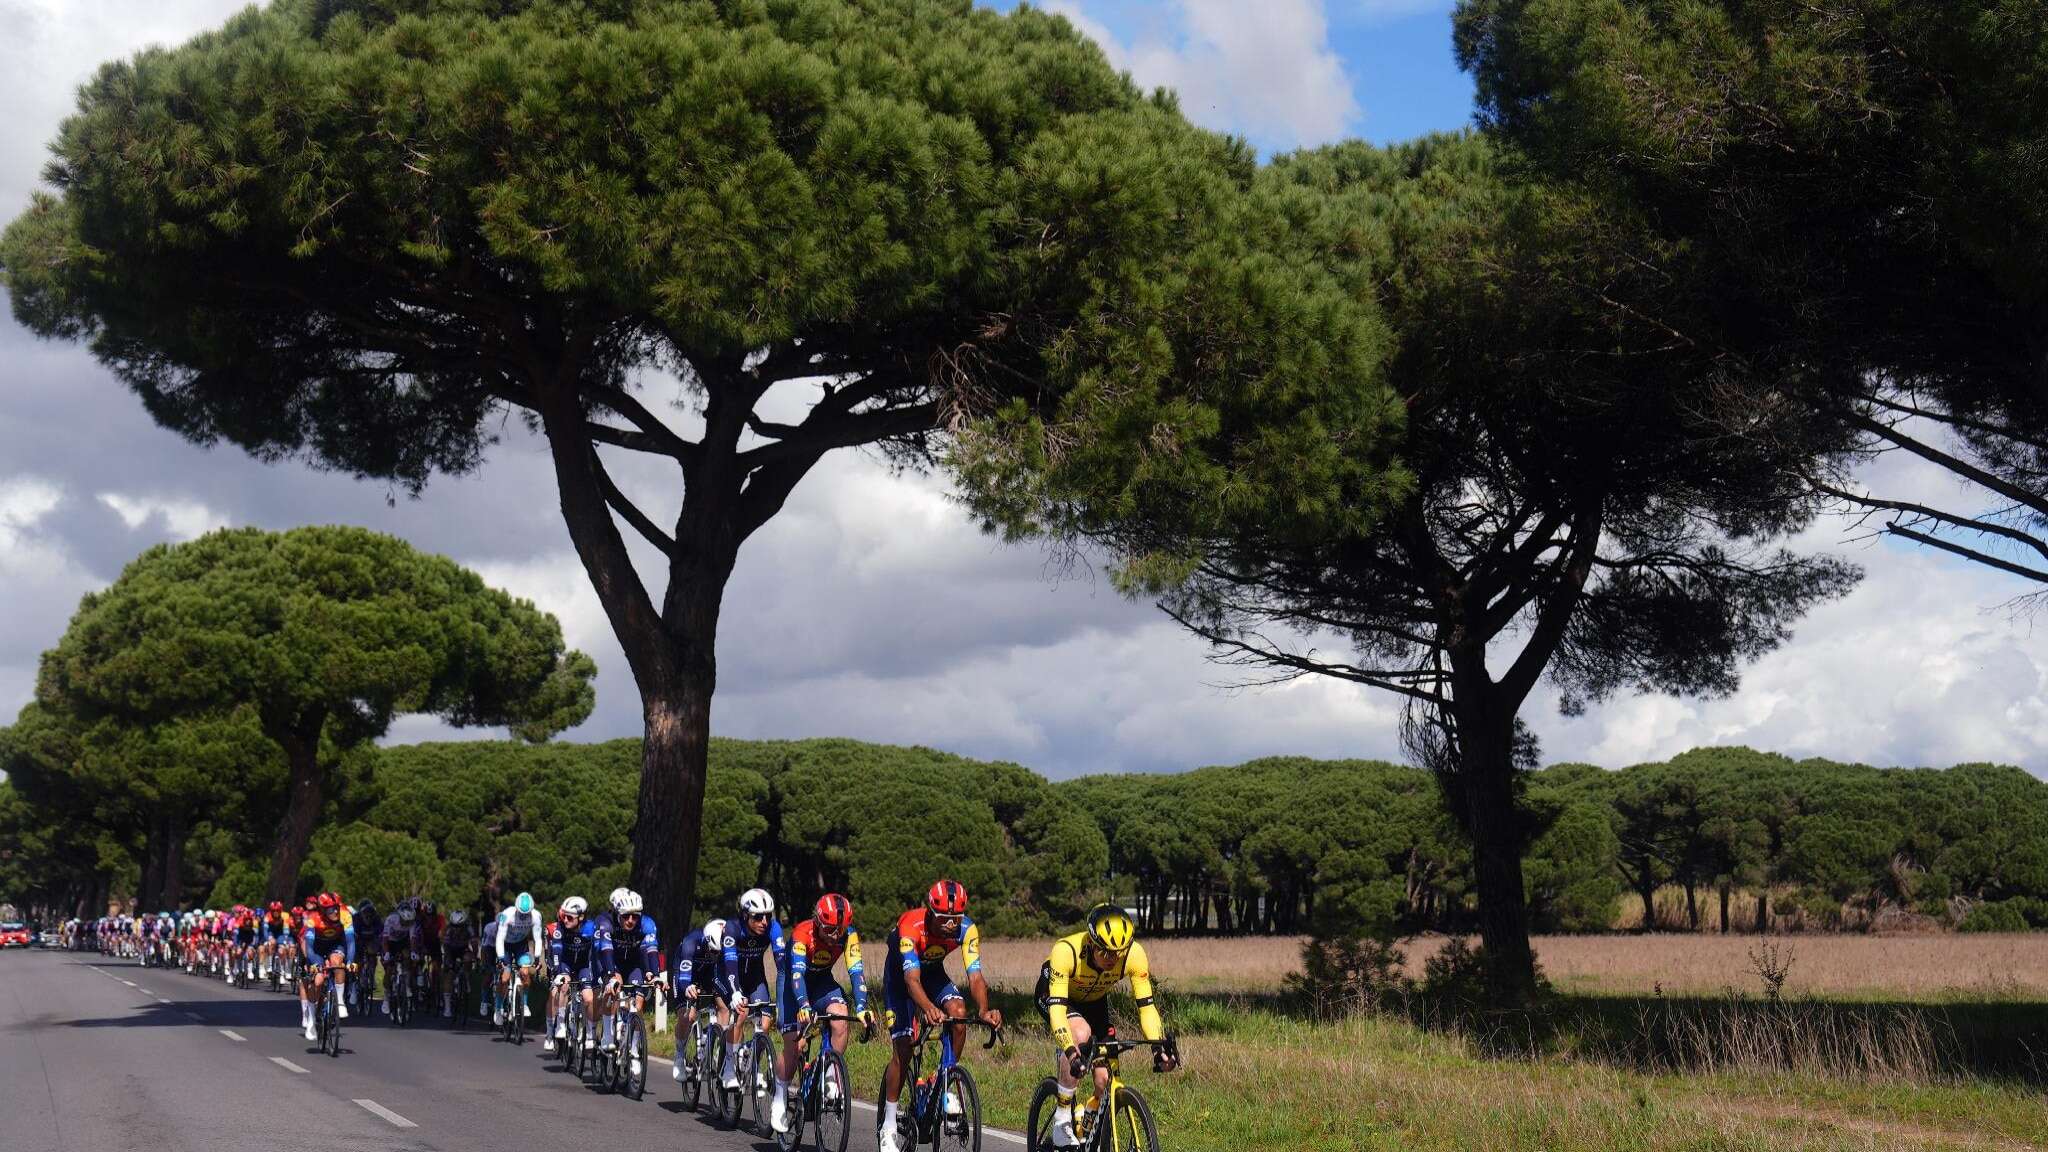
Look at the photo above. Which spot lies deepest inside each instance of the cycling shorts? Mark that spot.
(1094, 1012)
(821, 993)
(899, 1010)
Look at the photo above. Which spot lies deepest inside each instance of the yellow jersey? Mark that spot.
(1071, 979)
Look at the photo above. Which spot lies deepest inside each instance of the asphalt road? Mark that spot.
(99, 1054)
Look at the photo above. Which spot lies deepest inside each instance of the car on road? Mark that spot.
(14, 934)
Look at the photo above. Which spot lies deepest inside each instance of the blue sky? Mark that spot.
(1288, 73)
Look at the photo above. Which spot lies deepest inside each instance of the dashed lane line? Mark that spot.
(396, 1120)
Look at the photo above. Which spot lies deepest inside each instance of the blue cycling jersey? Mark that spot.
(583, 948)
(744, 953)
(632, 948)
(698, 959)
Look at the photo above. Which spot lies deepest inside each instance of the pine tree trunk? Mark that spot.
(1724, 909)
(675, 757)
(174, 863)
(1692, 905)
(1485, 779)
(1649, 894)
(150, 891)
(301, 744)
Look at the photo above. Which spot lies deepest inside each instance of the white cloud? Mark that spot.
(181, 519)
(24, 502)
(1265, 70)
(49, 47)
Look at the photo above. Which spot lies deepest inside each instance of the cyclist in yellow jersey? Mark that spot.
(1073, 992)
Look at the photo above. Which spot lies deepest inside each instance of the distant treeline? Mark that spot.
(1753, 841)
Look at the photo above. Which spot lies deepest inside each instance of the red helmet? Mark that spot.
(947, 898)
(834, 910)
(277, 905)
(328, 901)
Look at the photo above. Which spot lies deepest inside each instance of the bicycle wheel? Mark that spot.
(833, 1100)
(1045, 1109)
(692, 1064)
(731, 1101)
(958, 1112)
(761, 1077)
(1131, 1126)
(633, 1058)
(572, 1048)
(515, 1013)
(333, 1020)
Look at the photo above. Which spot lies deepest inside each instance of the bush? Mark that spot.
(1345, 975)
(1997, 916)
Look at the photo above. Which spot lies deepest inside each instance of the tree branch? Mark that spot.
(1969, 553)
(628, 511)
(2010, 491)
(1974, 525)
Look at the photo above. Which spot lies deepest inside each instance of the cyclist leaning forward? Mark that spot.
(915, 988)
(633, 957)
(457, 951)
(515, 936)
(804, 986)
(700, 980)
(1073, 992)
(328, 934)
(576, 952)
(748, 942)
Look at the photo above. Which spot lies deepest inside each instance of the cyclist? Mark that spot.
(270, 938)
(515, 936)
(805, 986)
(329, 935)
(427, 938)
(248, 928)
(699, 967)
(633, 955)
(915, 988)
(574, 953)
(400, 936)
(744, 950)
(458, 942)
(1073, 992)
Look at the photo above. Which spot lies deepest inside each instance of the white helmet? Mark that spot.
(406, 912)
(575, 906)
(714, 928)
(625, 901)
(757, 902)
(458, 916)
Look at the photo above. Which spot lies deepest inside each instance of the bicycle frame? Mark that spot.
(1104, 1053)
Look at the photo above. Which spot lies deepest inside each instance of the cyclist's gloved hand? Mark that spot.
(1161, 1062)
(1075, 1065)
(561, 980)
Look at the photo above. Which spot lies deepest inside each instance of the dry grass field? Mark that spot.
(1939, 966)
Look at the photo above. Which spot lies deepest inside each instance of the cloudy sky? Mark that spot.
(871, 608)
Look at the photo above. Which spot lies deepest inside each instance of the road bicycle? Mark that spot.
(943, 1109)
(512, 1002)
(401, 993)
(819, 1096)
(700, 1055)
(623, 1062)
(578, 1051)
(753, 1063)
(1123, 1124)
(459, 991)
(327, 1017)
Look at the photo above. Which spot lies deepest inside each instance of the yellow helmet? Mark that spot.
(1109, 927)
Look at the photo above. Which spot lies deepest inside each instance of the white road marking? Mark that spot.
(161, 1000)
(388, 1114)
(288, 1066)
(129, 983)
(237, 1037)
(144, 991)
(195, 1016)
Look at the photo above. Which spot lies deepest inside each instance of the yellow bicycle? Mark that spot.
(1121, 1124)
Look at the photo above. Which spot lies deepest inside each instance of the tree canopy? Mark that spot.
(356, 230)
(1573, 500)
(1860, 180)
(313, 640)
